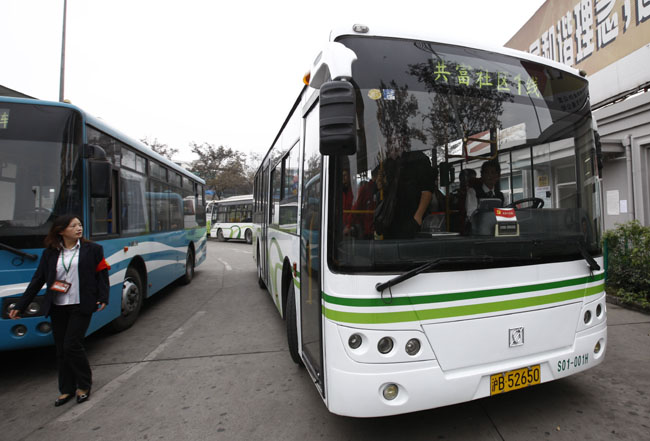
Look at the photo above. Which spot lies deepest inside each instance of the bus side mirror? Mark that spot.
(338, 113)
(599, 153)
(100, 179)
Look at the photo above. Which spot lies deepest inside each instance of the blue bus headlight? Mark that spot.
(19, 330)
(44, 327)
(33, 308)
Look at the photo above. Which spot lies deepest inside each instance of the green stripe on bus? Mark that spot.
(468, 295)
(456, 311)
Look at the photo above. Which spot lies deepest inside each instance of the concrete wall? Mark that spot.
(624, 128)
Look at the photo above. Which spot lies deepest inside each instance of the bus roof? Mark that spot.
(403, 33)
(432, 36)
(106, 128)
(234, 199)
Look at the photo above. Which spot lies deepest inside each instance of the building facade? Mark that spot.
(609, 41)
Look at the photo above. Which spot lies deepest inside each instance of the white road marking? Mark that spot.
(114, 384)
(226, 264)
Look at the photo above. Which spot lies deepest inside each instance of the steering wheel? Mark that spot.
(537, 202)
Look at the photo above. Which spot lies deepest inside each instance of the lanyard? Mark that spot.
(69, 263)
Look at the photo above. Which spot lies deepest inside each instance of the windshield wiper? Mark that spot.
(593, 265)
(582, 249)
(429, 265)
(20, 253)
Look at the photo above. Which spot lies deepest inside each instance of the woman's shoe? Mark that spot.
(83, 397)
(62, 400)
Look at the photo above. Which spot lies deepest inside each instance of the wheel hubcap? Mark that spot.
(130, 296)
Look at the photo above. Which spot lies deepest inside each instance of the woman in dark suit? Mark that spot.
(76, 275)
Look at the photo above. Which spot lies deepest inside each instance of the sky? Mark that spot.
(208, 71)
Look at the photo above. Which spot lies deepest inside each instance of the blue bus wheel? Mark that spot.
(189, 268)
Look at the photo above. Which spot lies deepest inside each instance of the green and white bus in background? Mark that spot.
(458, 305)
(232, 218)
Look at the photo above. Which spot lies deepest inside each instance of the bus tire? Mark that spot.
(292, 326)
(249, 236)
(132, 297)
(220, 237)
(189, 268)
(260, 281)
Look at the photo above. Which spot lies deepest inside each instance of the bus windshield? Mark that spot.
(40, 170)
(475, 157)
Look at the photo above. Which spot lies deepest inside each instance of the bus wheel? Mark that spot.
(132, 296)
(260, 282)
(292, 328)
(189, 268)
(220, 237)
(249, 236)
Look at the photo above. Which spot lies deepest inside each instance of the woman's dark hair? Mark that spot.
(53, 238)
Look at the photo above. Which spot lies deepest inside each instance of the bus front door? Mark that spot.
(310, 265)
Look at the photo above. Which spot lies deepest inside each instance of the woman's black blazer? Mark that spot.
(93, 280)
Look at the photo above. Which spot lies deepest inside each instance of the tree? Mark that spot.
(223, 169)
(160, 148)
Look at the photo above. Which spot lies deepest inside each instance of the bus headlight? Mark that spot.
(19, 330)
(390, 391)
(587, 316)
(355, 341)
(413, 346)
(385, 345)
(44, 327)
(33, 308)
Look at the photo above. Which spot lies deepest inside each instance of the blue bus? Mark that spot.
(147, 212)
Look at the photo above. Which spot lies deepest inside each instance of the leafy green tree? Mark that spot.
(223, 169)
(628, 262)
(160, 148)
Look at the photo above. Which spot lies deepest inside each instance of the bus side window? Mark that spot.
(102, 219)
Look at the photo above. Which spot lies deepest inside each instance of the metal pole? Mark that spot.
(62, 75)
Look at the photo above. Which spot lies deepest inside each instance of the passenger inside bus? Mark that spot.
(361, 226)
(487, 187)
(411, 179)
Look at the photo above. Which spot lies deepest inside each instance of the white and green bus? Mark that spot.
(398, 294)
(232, 218)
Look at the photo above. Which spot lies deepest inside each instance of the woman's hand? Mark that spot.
(100, 306)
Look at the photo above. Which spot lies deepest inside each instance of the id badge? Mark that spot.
(60, 286)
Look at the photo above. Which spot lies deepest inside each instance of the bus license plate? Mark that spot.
(513, 380)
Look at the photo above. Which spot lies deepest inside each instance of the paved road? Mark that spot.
(209, 362)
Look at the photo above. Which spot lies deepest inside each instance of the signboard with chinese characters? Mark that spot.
(588, 34)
